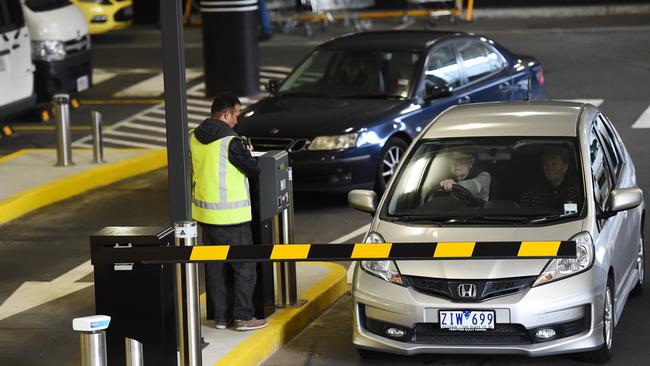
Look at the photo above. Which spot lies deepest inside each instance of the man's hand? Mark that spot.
(447, 184)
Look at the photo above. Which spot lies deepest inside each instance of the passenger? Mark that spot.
(465, 174)
(557, 190)
(354, 76)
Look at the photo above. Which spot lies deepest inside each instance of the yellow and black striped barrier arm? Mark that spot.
(336, 252)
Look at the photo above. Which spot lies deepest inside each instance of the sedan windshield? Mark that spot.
(45, 5)
(353, 74)
(489, 180)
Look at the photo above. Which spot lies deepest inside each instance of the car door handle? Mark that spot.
(464, 99)
(504, 87)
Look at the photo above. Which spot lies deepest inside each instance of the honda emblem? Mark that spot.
(467, 290)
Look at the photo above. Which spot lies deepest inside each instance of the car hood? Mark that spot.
(310, 117)
(62, 24)
(478, 268)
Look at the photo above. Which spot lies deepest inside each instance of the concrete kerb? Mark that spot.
(59, 189)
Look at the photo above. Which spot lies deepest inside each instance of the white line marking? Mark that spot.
(154, 85)
(200, 102)
(644, 120)
(277, 68)
(99, 76)
(82, 145)
(136, 135)
(273, 75)
(140, 126)
(409, 23)
(354, 234)
(198, 109)
(130, 143)
(160, 120)
(596, 102)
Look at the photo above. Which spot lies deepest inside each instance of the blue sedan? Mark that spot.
(349, 110)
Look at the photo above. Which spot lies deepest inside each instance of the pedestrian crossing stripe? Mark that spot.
(337, 252)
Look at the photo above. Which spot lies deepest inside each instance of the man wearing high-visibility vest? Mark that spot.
(221, 204)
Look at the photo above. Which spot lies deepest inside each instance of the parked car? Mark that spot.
(556, 172)
(348, 111)
(60, 47)
(16, 68)
(106, 15)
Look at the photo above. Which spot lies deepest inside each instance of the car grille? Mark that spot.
(277, 143)
(485, 289)
(124, 14)
(77, 45)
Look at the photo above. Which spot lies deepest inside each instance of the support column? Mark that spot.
(230, 49)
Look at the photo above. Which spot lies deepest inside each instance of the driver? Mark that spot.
(465, 174)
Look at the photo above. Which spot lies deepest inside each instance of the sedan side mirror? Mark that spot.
(622, 199)
(436, 91)
(272, 86)
(363, 200)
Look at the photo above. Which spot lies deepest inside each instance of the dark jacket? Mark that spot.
(212, 130)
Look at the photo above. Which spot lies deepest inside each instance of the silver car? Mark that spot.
(505, 172)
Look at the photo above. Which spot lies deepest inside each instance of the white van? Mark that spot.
(60, 47)
(16, 68)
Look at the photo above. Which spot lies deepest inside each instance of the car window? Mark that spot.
(611, 143)
(353, 74)
(601, 175)
(442, 67)
(11, 16)
(46, 5)
(477, 61)
(498, 179)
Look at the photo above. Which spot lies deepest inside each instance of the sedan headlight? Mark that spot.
(48, 50)
(560, 268)
(386, 270)
(333, 142)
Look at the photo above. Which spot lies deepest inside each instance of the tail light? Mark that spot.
(540, 76)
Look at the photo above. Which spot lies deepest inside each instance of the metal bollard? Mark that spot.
(98, 142)
(134, 355)
(185, 233)
(92, 339)
(63, 143)
(286, 271)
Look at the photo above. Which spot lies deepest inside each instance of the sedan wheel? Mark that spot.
(604, 353)
(391, 156)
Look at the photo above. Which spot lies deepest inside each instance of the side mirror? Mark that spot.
(436, 91)
(272, 86)
(622, 199)
(363, 200)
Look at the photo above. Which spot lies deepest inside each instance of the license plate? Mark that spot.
(82, 83)
(466, 320)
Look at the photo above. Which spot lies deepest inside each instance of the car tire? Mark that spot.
(389, 159)
(604, 353)
(367, 354)
(638, 289)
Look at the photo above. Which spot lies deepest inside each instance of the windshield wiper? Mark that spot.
(428, 219)
(304, 94)
(542, 219)
(372, 96)
(484, 219)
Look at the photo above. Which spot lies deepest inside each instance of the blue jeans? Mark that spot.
(265, 18)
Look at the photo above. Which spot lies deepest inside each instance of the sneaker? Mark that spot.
(222, 325)
(251, 324)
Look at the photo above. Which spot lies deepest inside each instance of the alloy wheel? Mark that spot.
(390, 161)
(609, 319)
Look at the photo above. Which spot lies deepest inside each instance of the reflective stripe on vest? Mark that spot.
(220, 191)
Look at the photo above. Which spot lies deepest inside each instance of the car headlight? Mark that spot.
(386, 270)
(99, 19)
(333, 142)
(48, 50)
(560, 268)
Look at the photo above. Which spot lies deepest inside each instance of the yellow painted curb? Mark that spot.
(286, 323)
(37, 197)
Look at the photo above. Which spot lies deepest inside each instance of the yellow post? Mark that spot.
(188, 10)
(470, 7)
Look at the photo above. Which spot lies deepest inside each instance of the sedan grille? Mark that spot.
(484, 289)
(277, 143)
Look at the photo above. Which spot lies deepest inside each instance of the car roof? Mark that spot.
(411, 40)
(508, 119)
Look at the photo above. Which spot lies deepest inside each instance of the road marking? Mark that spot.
(644, 120)
(135, 135)
(160, 120)
(596, 102)
(130, 143)
(153, 86)
(35, 293)
(145, 127)
(121, 101)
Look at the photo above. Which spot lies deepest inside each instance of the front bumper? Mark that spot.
(556, 305)
(117, 18)
(334, 171)
(61, 76)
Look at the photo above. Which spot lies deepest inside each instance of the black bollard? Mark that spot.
(230, 50)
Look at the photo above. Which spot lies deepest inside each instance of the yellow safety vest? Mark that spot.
(220, 191)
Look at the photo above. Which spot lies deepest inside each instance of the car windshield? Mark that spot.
(353, 74)
(45, 5)
(489, 180)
